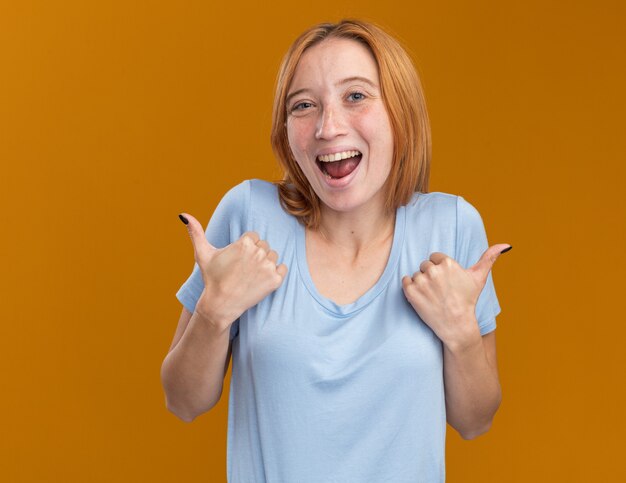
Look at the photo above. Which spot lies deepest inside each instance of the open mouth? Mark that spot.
(339, 165)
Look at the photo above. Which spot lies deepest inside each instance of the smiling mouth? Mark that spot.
(338, 165)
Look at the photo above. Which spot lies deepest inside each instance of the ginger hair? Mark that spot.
(403, 97)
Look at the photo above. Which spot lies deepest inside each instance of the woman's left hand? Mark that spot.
(444, 294)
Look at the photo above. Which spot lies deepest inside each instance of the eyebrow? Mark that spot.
(341, 82)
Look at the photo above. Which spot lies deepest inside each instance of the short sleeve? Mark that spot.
(471, 243)
(228, 223)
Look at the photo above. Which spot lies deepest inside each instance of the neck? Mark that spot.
(356, 231)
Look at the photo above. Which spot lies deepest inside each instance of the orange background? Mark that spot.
(115, 116)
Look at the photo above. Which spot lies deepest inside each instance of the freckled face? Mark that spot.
(337, 125)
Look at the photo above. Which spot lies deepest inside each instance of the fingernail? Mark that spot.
(183, 219)
(506, 250)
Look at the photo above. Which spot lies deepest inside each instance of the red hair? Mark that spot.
(403, 97)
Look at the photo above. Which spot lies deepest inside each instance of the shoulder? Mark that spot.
(236, 198)
(442, 206)
(262, 191)
(265, 202)
(252, 205)
(432, 210)
(435, 200)
(253, 195)
(253, 198)
(230, 217)
(449, 219)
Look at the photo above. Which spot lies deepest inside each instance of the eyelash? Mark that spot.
(356, 93)
(300, 106)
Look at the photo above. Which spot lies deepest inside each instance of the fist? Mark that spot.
(235, 277)
(444, 294)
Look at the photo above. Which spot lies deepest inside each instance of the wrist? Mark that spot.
(216, 320)
(215, 311)
(213, 325)
(463, 336)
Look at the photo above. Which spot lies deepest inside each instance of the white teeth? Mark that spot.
(329, 158)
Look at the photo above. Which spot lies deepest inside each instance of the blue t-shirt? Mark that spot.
(322, 392)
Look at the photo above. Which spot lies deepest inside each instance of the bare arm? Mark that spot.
(445, 295)
(193, 370)
(235, 278)
(472, 386)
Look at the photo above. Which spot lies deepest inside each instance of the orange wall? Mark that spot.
(115, 116)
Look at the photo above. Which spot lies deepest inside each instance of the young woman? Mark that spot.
(359, 309)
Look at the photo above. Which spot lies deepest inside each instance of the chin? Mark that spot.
(343, 203)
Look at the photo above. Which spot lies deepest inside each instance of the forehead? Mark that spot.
(333, 60)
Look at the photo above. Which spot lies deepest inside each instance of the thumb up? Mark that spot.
(480, 270)
(445, 295)
(202, 249)
(236, 277)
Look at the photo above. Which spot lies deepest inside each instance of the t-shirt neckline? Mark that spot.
(374, 291)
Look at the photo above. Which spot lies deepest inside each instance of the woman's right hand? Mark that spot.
(236, 277)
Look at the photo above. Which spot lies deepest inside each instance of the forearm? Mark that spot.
(193, 372)
(472, 388)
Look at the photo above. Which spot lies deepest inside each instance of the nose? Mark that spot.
(330, 123)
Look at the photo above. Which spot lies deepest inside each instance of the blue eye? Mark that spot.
(301, 106)
(356, 96)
